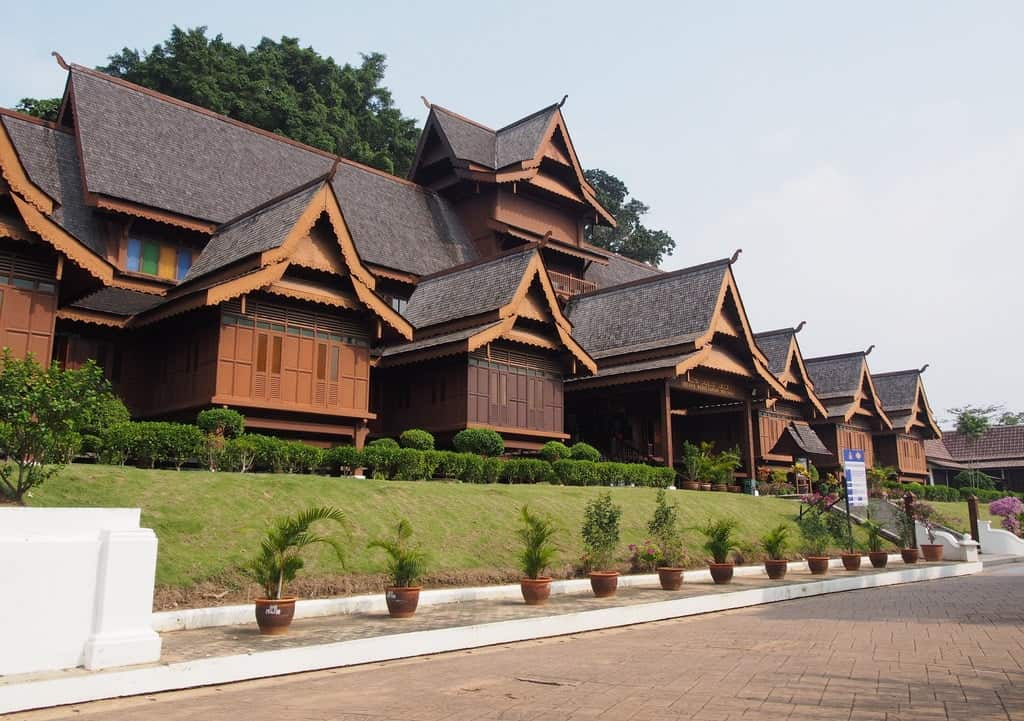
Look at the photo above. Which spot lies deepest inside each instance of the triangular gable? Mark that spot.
(867, 394)
(796, 370)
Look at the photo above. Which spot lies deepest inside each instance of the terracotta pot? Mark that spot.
(776, 569)
(818, 565)
(734, 488)
(691, 486)
(604, 583)
(721, 572)
(910, 555)
(878, 558)
(705, 486)
(932, 551)
(535, 590)
(671, 578)
(402, 600)
(851, 561)
(720, 487)
(274, 615)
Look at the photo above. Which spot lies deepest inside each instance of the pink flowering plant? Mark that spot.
(643, 556)
(1010, 508)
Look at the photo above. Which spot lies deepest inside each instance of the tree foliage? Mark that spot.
(45, 108)
(631, 238)
(41, 410)
(1011, 419)
(278, 86)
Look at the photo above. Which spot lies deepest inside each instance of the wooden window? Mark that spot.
(184, 262)
(134, 255)
(335, 363)
(321, 361)
(168, 262)
(275, 360)
(261, 353)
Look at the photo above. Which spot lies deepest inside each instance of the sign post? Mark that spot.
(855, 473)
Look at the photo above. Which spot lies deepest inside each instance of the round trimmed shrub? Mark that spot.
(343, 459)
(384, 443)
(584, 452)
(221, 422)
(481, 441)
(554, 451)
(416, 439)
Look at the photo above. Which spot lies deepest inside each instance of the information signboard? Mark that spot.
(856, 477)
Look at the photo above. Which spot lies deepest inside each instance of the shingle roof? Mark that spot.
(397, 225)
(896, 390)
(152, 150)
(256, 232)
(835, 376)
(662, 310)
(118, 301)
(618, 271)
(468, 291)
(434, 341)
(647, 365)
(775, 346)
(494, 149)
(1000, 442)
(51, 161)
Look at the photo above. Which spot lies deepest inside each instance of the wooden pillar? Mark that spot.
(666, 424)
(972, 512)
(748, 427)
(359, 437)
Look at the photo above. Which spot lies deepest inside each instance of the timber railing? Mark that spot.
(569, 284)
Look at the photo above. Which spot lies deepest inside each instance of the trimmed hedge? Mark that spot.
(481, 441)
(527, 470)
(416, 439)
(584, 452)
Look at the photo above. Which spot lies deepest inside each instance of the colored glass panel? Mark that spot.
(135, 255)
(184, 262)
(150, 258)
(168, 262)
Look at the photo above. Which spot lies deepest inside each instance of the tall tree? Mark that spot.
(45, 108)
(631, 238)
(278, 86)
(973, 423)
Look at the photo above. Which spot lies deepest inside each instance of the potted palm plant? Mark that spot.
(774, 544)
(279, 560)
(695, 465)
(878, 557)
(817, 537)
(664, 528)
(536, 555)
(405, 565)
(720, 541)
(907, 528)
(600, 538)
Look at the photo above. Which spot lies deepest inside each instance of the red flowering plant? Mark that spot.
(643, 556)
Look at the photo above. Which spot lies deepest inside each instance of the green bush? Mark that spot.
(384, 443)
(221, 422)
(600, 531)
(271, 453)
(584, 452)
(239, 454)
(380, 458)
(482, 441)
(472, 468)
(150, 446)
(554, 451)
(304, 458)
(973, 478)
(118, 443)
(410, 465)
(941, 493)
(527, 470)
(416, 439)
(984, 495)
(451, 464)
(343, 459)
(181, 442)
(577, 473)
(485, 470)
(91, 444)
(916, 488)
(664, 477)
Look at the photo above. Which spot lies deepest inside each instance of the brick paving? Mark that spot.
(950, 649)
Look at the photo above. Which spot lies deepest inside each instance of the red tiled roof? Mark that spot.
(1000, 442)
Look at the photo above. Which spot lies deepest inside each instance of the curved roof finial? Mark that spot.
(562, 101)
(426, 102)
(800, 327)
(924, 368)
(735, 256)
(870, 348)
(60, 60)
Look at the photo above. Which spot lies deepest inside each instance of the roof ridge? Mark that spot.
(170, 99)
(834, 357)
(272, 202)
(443, 109)
(525, 118)
(479, 261)
(915, 371)
(776, 331)
(651, 279)
(18, 115)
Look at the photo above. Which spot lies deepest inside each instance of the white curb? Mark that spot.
(210, 671)
(192, 618)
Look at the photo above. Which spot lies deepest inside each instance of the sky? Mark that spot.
(867, 157)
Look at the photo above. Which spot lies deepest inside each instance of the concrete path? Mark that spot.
(949, 649)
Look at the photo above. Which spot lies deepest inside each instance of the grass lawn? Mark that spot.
(207, 523)
(954, 514)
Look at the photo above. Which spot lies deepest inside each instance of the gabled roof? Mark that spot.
(618, 270)
(468, 290)
(494, 149)
(117, 301)
(782, 351)
(843, 382)
(658, 311)
(159, 153)
(999, 443)
(903, 397)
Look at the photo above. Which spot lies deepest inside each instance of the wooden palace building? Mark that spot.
(202, 262)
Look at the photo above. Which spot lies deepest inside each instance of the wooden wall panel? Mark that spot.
(855, 438)
(28, 300)
(523, 211)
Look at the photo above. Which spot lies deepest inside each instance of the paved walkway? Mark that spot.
(951, 649)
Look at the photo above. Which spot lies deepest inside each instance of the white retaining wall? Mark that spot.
(76, 589)
(996, 541)
(955, 548)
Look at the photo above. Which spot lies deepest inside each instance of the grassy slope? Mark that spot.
(954, 514)
(208, 522)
